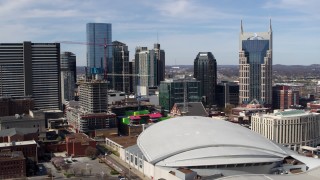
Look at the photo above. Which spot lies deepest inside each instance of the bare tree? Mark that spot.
(75, 170)
(82, 171)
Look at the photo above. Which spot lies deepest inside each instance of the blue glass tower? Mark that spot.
(99, 34)
(255, 59)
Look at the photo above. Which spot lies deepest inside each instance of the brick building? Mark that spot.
(12, 165)
(11, 106)
(284, 97)
(19, 134)
(77, 143)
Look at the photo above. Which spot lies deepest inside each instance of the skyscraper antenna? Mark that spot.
(241, 27)
(157, 38)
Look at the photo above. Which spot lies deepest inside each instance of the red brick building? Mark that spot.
(28, 148)
(10, 106)
(283, 97)
(77, 143)
(12, 165)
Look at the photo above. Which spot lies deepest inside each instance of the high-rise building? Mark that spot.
(120, 67)
(255, 66)
(227, 93)
(283, 97)
(177, 91)
(146, 69)
(31, 69)
(149, 65)
(161, 62)
(68, 75)
(93, 96)
(205, 71)
(99, 34)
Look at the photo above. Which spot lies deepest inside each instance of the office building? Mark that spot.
(31, 69)
(68, 75)
(10, 106)
(291, 128)
(178, 91)
(255, 60)
(205, 71)
(161, 62)
(98, 35)
(283, 97)
(227, 93)
(119, 74)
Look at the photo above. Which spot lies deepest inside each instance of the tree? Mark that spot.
(75, 170)
(91, 152)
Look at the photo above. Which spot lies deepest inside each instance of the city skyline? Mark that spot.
(182, 27)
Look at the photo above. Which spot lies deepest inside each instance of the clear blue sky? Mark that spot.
(184, 27)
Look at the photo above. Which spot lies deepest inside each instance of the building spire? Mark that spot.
(241, 27)
(270, 26)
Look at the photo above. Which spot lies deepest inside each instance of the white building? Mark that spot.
(292, 128)
(209, 148)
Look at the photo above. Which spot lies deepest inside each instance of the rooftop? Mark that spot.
(124, 141)
(289, 113)
(21, 131)
(9, 156)
(20, 143)
(78, 137)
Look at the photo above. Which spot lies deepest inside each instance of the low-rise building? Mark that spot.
(77, 144)
(189, 109)
(35, 119)
(19, 134)
(12, 165)
(10, 106)
(291, 128)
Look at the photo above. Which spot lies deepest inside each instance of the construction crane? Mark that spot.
(104, 45)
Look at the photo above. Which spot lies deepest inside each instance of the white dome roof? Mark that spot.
(196, 141)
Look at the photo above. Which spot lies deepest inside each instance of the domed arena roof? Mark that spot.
(202, 141)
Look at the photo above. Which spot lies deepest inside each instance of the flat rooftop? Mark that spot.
(19, 143)
(124, 141)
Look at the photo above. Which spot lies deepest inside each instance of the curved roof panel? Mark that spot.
(176, 140)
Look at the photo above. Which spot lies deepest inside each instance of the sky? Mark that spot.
(182, 27)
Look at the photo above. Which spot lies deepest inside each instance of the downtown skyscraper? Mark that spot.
(205, 71)
(68, 75)
(255, 66)
(33, 70)
(99, 35)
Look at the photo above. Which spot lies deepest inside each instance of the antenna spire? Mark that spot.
(241, 27)
(270, 26)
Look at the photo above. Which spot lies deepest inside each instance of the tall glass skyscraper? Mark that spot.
(68, 71)
(99, 34)
(255, 59)
(205, 71)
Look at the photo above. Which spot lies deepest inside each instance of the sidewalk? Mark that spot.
(133, 170)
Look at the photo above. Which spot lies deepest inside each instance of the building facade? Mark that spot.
(31, 69)
(205, 71)
(77, 144)
(12, 165)
(120, 68)
(227, 93)
(161, 62)
(255, 66)
(292, 128)
(93, 96)
(11, 106)
(283, 97)
(98, 35)
(68, 75)
(174, 91)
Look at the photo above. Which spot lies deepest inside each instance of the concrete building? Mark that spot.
(205, 71)
(99, 34)
(173, 91)
(10, 106)
(149, 66)
(68, 75)
(28, 148)
(283, 97)
(12, 165)
(255, 60)
(35, 119)
(192, 109)
(120, 68)
(77, 144)
(291, 128)
(93, 96)
(31, 69)
(209, 149)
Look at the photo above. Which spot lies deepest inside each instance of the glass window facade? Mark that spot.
(99, 34)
